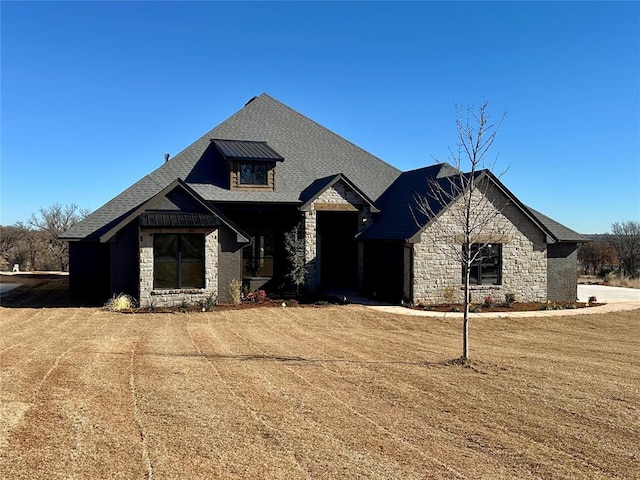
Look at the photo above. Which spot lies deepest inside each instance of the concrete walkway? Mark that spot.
(616, 299)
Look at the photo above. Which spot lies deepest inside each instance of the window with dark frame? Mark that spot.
(486, 269)
(257, 258)
(253, 174)
(178, 261)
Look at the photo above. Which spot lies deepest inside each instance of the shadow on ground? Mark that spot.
(37, 290)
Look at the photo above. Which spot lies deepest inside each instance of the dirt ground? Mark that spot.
(334, 392)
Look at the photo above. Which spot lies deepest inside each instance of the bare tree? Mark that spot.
(597, 256)
(471, 202)
(625, 237)
(53, 222)
(27, 246)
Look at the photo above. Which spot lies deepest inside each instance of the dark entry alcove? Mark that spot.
(338, 249)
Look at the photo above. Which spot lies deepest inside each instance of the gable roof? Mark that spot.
(311, 151)
(557, 230)
(318, 187)
(401, 219)
(107, 232)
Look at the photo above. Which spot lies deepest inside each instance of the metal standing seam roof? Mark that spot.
(247, 150)
(177, 220)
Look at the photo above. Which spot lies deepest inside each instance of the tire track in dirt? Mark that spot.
(240, 400)
(54, 418)
(136, 413)
(459, 427)
(16, 371)
(522, 439)
(24, 332)
(45, 337)
(12, 316)
(288, 413)
(430, 459)
(173, 392)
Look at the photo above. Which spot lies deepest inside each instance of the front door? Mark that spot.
(338, 249)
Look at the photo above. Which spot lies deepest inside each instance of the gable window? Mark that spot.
(178, 261)
(486, 269)
(253, 174)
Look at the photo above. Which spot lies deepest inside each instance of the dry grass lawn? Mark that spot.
(338, 392)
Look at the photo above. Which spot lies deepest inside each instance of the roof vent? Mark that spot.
(166, 157)
(252, 99)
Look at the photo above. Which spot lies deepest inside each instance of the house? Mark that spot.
(219, 211)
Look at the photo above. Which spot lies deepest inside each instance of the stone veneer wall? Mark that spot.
(167, 298)
(339, 193)
(524, 260)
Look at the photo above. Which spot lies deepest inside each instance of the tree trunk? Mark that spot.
(465, 321)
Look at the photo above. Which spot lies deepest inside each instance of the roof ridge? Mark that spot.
(326, 129)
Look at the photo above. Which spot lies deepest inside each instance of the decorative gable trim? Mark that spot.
(314, 191)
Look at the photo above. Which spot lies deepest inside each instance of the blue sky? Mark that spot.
(94, 93)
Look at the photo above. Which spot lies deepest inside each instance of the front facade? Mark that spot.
(218, 212)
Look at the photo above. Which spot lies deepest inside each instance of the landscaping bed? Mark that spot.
(514, 307)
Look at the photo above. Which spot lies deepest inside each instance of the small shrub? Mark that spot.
(547, 306)
(183, 305)
(449, 294)
(488, 301)
(235, 291)
(152, 305)
(209, 303)
(509, 299)
(592, 299)
(119, 303)
(475, 309)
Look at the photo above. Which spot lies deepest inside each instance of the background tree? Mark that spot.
(473, 206)
(35, 245)
(53, 222)
(625, 238)
(22, 246)
(597, 256)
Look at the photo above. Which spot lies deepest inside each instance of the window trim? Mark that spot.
(235, 181)
(178, 285)
(253, 166)
(478, 265)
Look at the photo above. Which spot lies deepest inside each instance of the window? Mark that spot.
(253, 174)
(486, 269)
(178, 261)
(257, 258)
